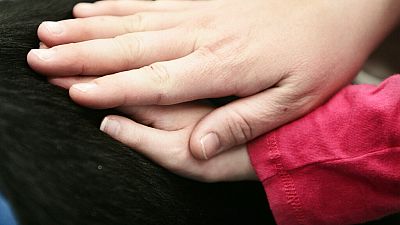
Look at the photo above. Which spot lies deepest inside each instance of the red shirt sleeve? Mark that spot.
(337, 165)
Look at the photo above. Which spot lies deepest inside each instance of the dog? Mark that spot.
(57, 168)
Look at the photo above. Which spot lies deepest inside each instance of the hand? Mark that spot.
(282, 57)
(167, 142)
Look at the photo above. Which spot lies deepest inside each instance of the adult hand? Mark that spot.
(282, 57)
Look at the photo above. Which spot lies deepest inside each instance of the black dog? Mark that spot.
(57, 168)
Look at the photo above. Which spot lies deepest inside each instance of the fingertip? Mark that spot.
(36, 58)
(48, 62)
(67, 82)
(210, 144)
(50, 32)
(205, 146)
(85, 87)
(84, 94)
(42, 33)
(206, 141)
(103, 124)
(42, 54)
(137, 136)
(93, 96)
(111, 125)
(196, 147)
(30, 57)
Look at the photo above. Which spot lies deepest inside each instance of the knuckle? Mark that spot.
(299, 100)
(212, 63)
(202, 22)
(134, 23)
(238, 127)
(130, 47)
(216, 55)
(299, 92)
(205, 52)
(160, 74)
(161, 79)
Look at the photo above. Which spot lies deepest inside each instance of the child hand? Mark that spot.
(162, 133)
(164, 137)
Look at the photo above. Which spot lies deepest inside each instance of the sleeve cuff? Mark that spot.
(277, 182)
(337, 165)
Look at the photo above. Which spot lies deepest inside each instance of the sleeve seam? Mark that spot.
(327, 161)
(287, 181)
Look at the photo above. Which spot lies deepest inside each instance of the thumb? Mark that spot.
(243, 120)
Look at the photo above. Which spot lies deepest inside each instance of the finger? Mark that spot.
(245, 119)
(196, 76)
(155, 144)
(83, 29)
(123, 8)
(170, 118)
(105, 56)
(67, 82)
(169, 149)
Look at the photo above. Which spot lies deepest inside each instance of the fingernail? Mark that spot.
(110, 126)
(210, 144)
(84, 87)
(44, 54)
(53, 27)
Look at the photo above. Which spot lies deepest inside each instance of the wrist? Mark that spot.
(367, 22)
(247, 170)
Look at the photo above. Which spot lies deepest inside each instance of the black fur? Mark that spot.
(57, 168)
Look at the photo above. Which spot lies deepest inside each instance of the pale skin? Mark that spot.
(283, 58)
(163, 135)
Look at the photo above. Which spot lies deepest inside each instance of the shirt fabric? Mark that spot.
(340, 164)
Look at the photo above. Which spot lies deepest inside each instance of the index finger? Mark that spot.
(198, 75)
(163, 83)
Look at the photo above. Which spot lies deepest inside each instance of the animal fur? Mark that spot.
(57, 168)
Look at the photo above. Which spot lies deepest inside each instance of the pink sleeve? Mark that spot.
(339, 164)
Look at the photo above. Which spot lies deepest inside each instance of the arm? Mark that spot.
(338, 165)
